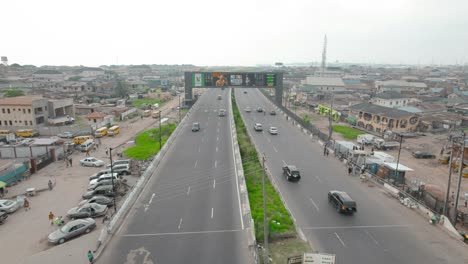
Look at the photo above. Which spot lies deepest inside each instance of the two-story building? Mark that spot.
(322, 84)
(380, 119)
(390, 99)
(399, 86)
(92, 72)
(23, 111)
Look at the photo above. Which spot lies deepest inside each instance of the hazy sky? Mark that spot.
(236, 32)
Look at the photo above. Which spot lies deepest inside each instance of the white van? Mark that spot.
(87, 145)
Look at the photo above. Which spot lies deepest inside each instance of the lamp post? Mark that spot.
(460, 171)
(160, 141)
(265, 217)
(179, 108)
(446, 203)
(112, 178)
(398, 159)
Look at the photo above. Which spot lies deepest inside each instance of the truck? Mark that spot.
(365, 139)
(381, 144)
(156, 114)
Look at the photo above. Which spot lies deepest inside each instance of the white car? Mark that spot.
(8, 206)
(92, 162)
(104, 177)
(119, 162)
(273, 130)
(248, 109)
(65, 135)
(258, 127)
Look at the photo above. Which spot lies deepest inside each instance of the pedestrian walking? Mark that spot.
(51, 218)
(26, 204)
(466, 203)
(327, 152)
(107, 152)
(71, 162)
(90, 257)
(87, 153)
(349, 170)
(50, 185)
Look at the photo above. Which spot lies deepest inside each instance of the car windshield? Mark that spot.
(65, 229)
(7, 203)
(295, 172)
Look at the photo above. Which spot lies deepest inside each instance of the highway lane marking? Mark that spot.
(216, 163)
(196, 163)
(315, 205)
(372, 237)
(198, 149)
(318, 179)
(185, 233)
(150, 201)
(275, 149)
(217, 138)
(339, 238)
(180, 223)
(353, 227)
(214, 184)
(188, 191)
(212, 209)
(216, 149)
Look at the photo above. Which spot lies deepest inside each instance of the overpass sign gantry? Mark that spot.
(233, 79)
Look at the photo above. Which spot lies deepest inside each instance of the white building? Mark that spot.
(92, 72)
(390, 99)
(398, 86)
(325, 84)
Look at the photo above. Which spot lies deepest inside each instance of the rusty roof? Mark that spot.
(95, 115)
(19, 100)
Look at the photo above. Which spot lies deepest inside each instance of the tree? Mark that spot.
(122, 89)
(13, 93)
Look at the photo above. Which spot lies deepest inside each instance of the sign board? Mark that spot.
(222, 79)
(318, 258)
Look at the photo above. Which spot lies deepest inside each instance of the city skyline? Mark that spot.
(208, 33)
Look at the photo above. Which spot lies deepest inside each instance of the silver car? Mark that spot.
(72, 229)
(99, 199)
(87, 210)
(8, 206)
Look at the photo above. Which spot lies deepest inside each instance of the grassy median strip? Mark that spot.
(347, 132)
(147, 142)
(280, 221)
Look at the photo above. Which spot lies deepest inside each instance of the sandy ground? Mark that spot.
(24, 234)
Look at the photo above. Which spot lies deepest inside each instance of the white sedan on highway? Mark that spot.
(91, 162)
(273, 130)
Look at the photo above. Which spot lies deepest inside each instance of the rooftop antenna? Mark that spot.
(324, 56)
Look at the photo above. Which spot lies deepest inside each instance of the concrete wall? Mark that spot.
(23, 152)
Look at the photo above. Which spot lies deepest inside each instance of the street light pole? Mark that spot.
(265, 220)
(330, 119)
(460, 171)
(398, 160)
(112, 178)
(179, 108)
(446, 211)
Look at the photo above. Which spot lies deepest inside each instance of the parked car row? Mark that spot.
(99, 196)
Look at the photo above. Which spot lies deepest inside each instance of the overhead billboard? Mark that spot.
(221, 79)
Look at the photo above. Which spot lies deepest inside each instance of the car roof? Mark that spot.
(343, 195)
(292, 167)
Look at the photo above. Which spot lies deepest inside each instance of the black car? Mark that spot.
(423, 155)
(245, 92)
(259, 109)
(291, 173)
(342, 202)
(272, 112)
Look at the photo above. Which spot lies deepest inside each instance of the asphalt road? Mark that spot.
(189, 211)
(382, 231)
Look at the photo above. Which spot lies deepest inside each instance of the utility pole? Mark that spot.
(112, 179)
(179, 108)
(160, 141)
(265, 220)
(398, 160)
(330, 118)
(446, 203)
(460, 171)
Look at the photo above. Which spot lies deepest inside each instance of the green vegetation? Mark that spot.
(281, 250)
(146, 101)
(75, 78)
(122, 89)
(347, 132)
(306, 119)
(280, 221)
(147, 142)
(13, 93)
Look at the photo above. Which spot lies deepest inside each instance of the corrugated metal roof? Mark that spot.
(19, 100)
(410, 109)
(326, 81)
(381, 110)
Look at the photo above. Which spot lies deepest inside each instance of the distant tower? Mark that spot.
(324, 55)
(5, 60)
